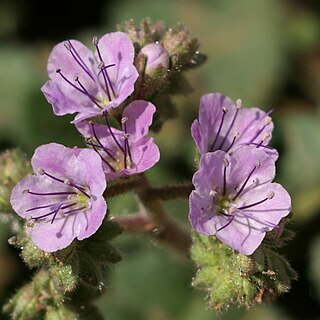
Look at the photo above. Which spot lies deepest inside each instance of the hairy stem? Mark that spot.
(171, 192)
(167, 192)
(124, 186)
(169, 231)
(137, 223)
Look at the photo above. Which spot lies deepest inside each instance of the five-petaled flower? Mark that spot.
(90, 83)
(127, 151)
(63, 200)
(225, 125)
(235, 198)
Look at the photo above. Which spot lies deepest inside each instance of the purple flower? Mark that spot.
(126, 151)
(235, 198)
(90, 83)
(224, 125)
(157, 56)
(63, 200)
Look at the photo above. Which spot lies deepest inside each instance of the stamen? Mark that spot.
(69, 82)
(75, 210)
(126, 142)
(54, 216)
(67, 182)
(93, 99)
(271, 195)
(124, 120)
(113, 136)
(230, 220)
(224, 111)
(41, 207)
(102, 67)
(100, 144)
(267, 120)
(246, 181)
(95, 40)
(238, 106)
(223, 212)
(257, 203)
(226, 164)
(47, 214)
(99, 147)
(106, 77)
(77, 58)
(258, 145)
(266, 137)
(235, 136)
(125, 152)
(49, 193)
(102, 158)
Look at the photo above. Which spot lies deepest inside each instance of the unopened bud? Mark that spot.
(157, 56)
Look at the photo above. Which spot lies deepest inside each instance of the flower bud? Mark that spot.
(156, 55)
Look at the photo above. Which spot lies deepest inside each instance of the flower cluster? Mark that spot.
(118, 93)
(64, 200)
(234, 197)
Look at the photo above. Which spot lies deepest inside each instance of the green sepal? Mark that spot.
(108, 231)
(229, 277)
(35, 298)
(144, 33)
(63, 312)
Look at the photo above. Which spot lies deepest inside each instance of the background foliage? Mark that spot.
(266, 52)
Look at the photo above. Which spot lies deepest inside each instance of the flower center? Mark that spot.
(72, 200)
(227, 204)
(119, 157)
(82, 200)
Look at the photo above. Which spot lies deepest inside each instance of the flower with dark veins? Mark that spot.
(127, 151)
(235, 198)
(90, 83)
(225, 125)
(63, 200)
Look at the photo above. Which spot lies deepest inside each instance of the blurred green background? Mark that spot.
(266, 52)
